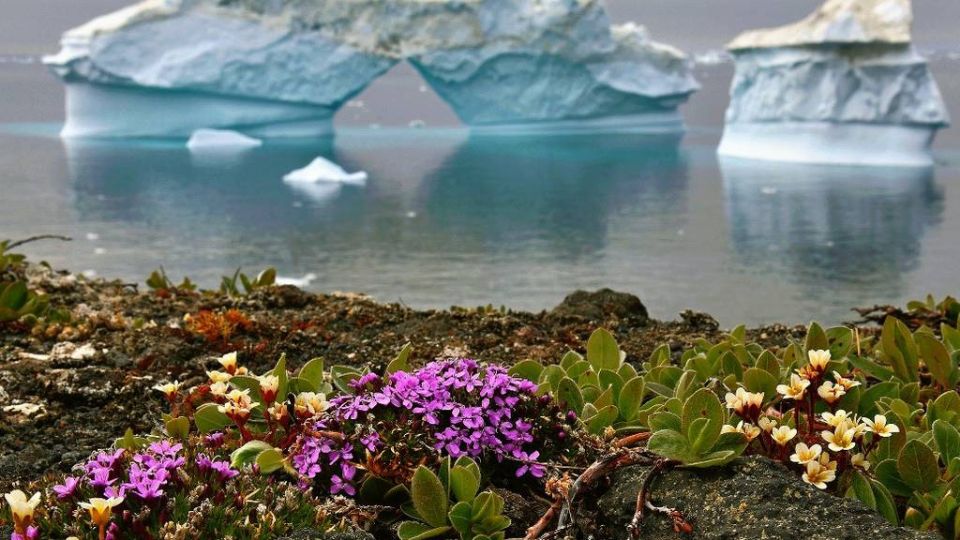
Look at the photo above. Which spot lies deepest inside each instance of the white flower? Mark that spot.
(819, 359)
(836, 419)
(830, 392)
(749, 431)
(100, 509)
(880, 426)
(783, 434)
(22, 508)
(746, 404)
(840, 439)
(795, 389)
(169, 389)
(767, 424)
(803, 454)
(858, 460)
(845, 382)
(229, 362)
(269, 384)
(818, 475)
(219, 376)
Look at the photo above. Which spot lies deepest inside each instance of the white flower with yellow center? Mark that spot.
(238, 405)
(749, 431)
(795, 390)
(830, 393)
(310, 403)
(819, 359)
(219, 376)
(269, 384)
(880, 427)
(169, 389)
(767, 424)
(22, 509)
(229, 362)
(827, 462)
(783, 434)
(278, 411)
(840, 439)
(100, 509)
(803, 454)
(746, 404)
(846, 383)
(858, 460)
(818, 475)
(219, 389)
(836, 419)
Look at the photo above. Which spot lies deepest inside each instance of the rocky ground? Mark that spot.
(66, 390)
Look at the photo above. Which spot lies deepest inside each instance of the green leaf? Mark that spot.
(948, 440)
(870, 396)
(860, 489)
(665, 420)
(527, 369)
(178, 427)
(702, 404)
(761, 381)
(604, 417)
(609, 379)
(631, 396)
(429, 497)
(280, 371)
(569, 394)
(208, 418)
(816, 338)
(313, 372)
(248, 453)
(401, 361)
(872, 368)
(411, 530)
(461, 517)
(936, 357)
(702, 434)
(270, 460)
(900, 349)
(246, 382)
(569, 359)
(297, 385)
(603, 351)
(670, 444)
(917, 466)
(713, 459)
(552, 375)
(463, 484)
(885, 505)
(342, 376)
(841, 341)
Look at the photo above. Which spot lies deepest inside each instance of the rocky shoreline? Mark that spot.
(67, 390)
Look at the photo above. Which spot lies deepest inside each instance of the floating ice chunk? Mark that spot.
(322, 170)
(220, 139)
(299, 282)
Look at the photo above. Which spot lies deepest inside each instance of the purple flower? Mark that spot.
(530, 465)
(33, 533)
(214, 440)
(66, 490)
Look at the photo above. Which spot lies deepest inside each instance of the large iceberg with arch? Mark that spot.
(284, 67)
(844, 86)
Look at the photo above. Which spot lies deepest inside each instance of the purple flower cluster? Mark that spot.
(317, 455)
(220, 467)
(32, 533)
(145, 475)
(465, 409)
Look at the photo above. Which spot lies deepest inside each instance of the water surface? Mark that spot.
(449, 218)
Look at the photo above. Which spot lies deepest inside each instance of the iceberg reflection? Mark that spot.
(845, 229)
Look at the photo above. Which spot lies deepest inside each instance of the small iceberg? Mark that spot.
(299, 282)
(322, 170)
(220, 139)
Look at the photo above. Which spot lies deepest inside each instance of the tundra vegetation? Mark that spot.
(422, 448)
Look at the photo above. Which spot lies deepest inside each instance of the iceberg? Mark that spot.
(322, 170)
(217, 140)
(843, 86)
(274, 68)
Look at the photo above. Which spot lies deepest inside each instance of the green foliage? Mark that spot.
(9, 262)
(449, 504)
(694, 437)
(231, 285)
(601, 388)
(160, 283)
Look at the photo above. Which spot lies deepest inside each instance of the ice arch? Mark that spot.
(162, 68)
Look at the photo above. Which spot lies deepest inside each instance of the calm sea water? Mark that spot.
(449, 218)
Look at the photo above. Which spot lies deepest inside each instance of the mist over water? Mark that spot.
(449, 218)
